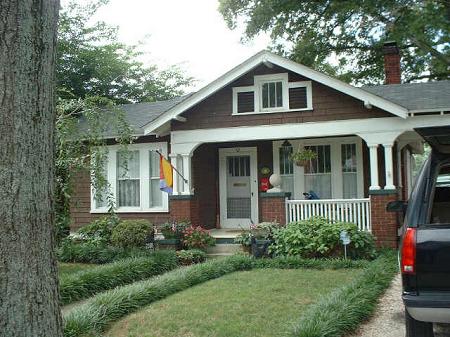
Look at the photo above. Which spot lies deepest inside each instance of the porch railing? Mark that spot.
(356, 211)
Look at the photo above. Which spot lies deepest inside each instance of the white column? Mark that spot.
(174, 162)
(389, 167)
(373, 151)
(187, 173)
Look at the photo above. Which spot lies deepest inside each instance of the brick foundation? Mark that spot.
(384, 223)
(184, 207)
(272, 207)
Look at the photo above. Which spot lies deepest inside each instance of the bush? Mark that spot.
(196, 237)
(191, 256)
(174, 230)
(74, 287)
(318, 237)
(131, 233)
(99, 231)
(93, 316)
(343, 310)
(293, 262)
(70, 251)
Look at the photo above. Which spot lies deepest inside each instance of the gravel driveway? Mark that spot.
(389, 317)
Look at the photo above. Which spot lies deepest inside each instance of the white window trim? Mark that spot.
(144, 150)
(257, 89)
(336, 170)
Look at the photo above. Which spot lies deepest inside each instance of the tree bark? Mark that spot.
(29, 305)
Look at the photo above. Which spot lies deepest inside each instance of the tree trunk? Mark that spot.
(29, 305)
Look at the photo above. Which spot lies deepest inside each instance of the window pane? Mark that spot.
(128, 179)
(265, 95)
(100, 195)
(349, 171)
(128, 165)
(272, 95)
(154, 164)
(155, 193)
(279, 94)
(286, 164)
(319, 184)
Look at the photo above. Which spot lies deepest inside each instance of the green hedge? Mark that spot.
(74, 287)
(293, 262)
(93, 316)
(98, 254)
(342, 311)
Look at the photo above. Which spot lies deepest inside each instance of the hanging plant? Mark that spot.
(303, 157)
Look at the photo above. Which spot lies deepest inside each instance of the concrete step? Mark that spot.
(224, 249)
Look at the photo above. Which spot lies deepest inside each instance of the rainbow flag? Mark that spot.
(165, 175)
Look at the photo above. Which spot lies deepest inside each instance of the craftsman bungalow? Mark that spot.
(241, 128)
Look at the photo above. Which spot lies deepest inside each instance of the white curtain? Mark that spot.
(128, 179)
(350, 188)
(320, 183)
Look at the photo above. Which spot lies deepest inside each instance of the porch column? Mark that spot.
(373, 151)
(187, 173)
(388, 166)
(174, 162)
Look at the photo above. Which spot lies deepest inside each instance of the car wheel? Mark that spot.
(416, 328)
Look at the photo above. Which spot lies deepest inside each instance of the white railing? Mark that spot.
(356, 211)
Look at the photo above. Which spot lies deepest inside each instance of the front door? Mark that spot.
(238, 187)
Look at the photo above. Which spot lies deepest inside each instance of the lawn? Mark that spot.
(260, 302)
(70, 268)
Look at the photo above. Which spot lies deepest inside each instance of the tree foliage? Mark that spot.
(353, 32)
(93, 62)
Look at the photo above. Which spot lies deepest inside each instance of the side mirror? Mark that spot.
(397, 206)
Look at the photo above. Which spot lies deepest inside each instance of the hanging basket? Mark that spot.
(302, 162)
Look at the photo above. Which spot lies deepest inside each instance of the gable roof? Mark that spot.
(416, 97)
(264, 57)
(137, 115)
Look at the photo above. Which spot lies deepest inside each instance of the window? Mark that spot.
(286, 168)
(100, 198)
(272, 95)
(349, 171)
(133, 178)
(318, 172)
(440, 210)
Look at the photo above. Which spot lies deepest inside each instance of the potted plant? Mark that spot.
(262, 238)
(303, 157)
(173, 234)
(196, 237)
(245, 240)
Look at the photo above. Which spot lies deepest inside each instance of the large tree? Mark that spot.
(29, 305)
(352, 32)
(93, 62)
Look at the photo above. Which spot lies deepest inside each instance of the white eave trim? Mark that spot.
(264, 57)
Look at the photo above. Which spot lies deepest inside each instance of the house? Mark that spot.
(234, 133)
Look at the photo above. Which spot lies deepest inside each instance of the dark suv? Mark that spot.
(425, 246)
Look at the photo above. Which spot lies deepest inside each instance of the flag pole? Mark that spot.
(178, 172)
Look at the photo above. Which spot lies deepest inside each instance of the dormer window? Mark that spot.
(270, 94)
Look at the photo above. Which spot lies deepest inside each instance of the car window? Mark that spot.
(440, 211)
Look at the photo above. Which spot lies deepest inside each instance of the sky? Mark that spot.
(191, 34)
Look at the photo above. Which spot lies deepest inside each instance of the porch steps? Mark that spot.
(225, 245)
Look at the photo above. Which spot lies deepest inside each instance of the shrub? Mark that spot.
(93, 316)
(70, 251)
(191, 256)
(318, 237)
(131, 233)
(293, 262)
(244, 239)
(196, 237)
(343, 310)
(99, 231)
(74, 287)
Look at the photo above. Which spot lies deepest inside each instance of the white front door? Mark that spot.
(238, 187)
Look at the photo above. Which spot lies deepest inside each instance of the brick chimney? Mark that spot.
(392, 70)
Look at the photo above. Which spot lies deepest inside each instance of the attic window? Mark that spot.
(245, 101)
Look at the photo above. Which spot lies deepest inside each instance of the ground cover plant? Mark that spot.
(81, 285)
(348, 306)
(93, 316)
(244, 304)
(71, 268)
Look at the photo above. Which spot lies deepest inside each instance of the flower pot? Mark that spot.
(168, 244)
(260, 247)
(302, 162)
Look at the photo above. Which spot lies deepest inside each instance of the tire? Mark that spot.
(417, 328)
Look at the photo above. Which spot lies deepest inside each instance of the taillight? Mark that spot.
(408, 263)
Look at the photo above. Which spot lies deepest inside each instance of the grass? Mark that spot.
(259, 302)
(72, 268)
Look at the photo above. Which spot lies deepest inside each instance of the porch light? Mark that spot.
(286, 144)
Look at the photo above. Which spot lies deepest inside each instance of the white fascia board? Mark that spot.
(265, 56)
(373, 126)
